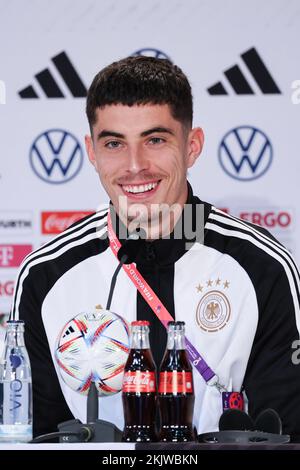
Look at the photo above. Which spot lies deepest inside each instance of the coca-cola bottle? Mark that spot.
(176, 390)
(139, 391)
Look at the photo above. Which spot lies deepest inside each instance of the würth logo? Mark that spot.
(57, 222)
(15, 223)
(49, 85)
(11, 256)
(239, 82)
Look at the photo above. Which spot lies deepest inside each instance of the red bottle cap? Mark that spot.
(140, 323)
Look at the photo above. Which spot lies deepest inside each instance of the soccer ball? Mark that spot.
(93, 346)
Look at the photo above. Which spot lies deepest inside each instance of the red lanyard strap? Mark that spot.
(160, 310)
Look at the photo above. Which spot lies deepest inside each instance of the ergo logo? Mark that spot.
(268, 219)
(6, 288)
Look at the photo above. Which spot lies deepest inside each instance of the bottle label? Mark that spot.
(175, 382)
(139, 381)
(15, 432)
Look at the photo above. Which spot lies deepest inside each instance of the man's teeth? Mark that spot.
(140, 189)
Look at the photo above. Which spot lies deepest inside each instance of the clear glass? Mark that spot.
(15, 387)
(139, 337)
(176, 335)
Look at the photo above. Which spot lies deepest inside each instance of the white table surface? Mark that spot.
(74, 446)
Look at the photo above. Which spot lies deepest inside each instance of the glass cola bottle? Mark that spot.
(15, 387)
(139, 391)
(176, 390)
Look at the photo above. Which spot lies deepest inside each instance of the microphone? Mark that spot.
(235, 420)
(236, 426)
(268, 421)
(131, 246)
(127, 253)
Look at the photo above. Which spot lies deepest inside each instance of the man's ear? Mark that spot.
(90, 150)
(195, 145)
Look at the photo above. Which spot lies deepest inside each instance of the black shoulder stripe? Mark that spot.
(43, 254)
(258, 239)
(231, 231)
(271, 242)
(71, 230)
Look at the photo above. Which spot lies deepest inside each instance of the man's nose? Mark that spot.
(137, 160)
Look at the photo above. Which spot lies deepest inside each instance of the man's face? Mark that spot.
(142, 154)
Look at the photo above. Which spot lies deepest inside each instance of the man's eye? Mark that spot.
(156, 140)
(113, 144)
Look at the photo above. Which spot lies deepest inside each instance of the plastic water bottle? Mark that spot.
(15, 387)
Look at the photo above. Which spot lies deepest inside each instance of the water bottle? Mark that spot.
(15, 387)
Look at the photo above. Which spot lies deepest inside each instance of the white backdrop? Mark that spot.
(206, 38)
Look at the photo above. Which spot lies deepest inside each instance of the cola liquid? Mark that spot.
(176, 389)
(139, 390)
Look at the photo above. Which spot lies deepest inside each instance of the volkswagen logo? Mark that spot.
(245, 153)
(56, 156)
(150, 52)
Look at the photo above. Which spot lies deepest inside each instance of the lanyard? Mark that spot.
(161, 312)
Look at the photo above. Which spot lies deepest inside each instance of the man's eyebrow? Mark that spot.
(106, 133)
(156, 130)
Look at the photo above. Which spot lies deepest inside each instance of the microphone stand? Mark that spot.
(114, 279)
(95, 430)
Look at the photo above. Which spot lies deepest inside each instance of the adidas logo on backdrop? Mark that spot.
(51, 85)
(239, 82)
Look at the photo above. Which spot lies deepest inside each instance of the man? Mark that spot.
(236, 288)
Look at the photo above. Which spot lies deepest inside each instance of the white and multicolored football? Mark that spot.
(93, 346)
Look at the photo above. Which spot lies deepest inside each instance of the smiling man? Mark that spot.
(142, 146)
(235, 287)
(142, 152)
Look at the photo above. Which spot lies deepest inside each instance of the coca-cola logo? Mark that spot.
(6, 288)
(281, 219)
(175, 382)
(56, 222)
(139, 381)
(180, 378)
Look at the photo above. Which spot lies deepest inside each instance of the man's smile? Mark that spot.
(141, 189)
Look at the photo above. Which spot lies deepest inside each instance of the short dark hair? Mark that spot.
(141, 80)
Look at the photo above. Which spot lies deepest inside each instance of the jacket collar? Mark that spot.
(188, 229)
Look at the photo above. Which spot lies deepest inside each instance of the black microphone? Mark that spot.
(127, 253)
(131, 246)
(235, 420)
(236, 426)
(268, 421)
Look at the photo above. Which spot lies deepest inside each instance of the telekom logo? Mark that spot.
(57, 222)
(11, 256)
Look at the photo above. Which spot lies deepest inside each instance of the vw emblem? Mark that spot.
(245, 153)
(56, 156)
(150, 52)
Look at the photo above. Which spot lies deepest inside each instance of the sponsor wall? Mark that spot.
(242, 59)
